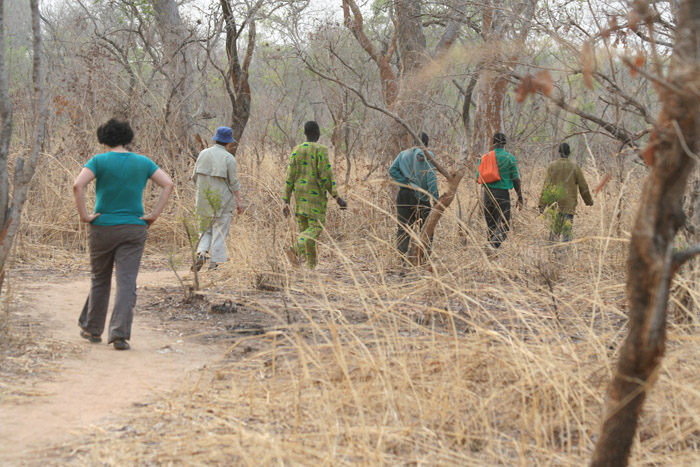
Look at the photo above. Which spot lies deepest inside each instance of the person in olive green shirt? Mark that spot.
(310, 178)
(563, 183)
(497, 194)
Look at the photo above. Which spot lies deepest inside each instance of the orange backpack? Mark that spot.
(488, 169)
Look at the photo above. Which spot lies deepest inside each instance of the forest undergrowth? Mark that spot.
(469, 359)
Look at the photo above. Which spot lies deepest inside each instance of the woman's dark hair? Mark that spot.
(115, 133)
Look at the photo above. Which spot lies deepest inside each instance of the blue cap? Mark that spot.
(224, 135)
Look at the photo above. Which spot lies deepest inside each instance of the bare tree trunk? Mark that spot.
(237, 75)
(24, 170)
(354, 21)
(651, 262)
(416, 249)
(411, 38)
(178, 68)
(493, 83)
(6, 124)
(685, 304)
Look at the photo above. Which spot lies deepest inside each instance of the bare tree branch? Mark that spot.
(383, 110)
(681, 257)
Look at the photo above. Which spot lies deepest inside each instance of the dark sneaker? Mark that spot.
(121, 344)
(94, 338)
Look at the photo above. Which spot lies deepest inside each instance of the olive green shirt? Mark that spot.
(310, 178)
(563, 183)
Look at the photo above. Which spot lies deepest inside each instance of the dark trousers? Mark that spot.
(497, 213)
(117, 247)
(562, 228)
(410, 210)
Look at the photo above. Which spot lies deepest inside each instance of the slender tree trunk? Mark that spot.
(354, 21)
(5, 124)
(238, 68)
(241, 103)
(25, 169)
(490, 106)
(652, 262)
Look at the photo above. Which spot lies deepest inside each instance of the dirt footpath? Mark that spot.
(99, 383)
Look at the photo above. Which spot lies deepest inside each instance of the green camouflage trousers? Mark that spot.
(309, 231)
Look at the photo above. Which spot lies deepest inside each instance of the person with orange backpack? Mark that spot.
(498, 172)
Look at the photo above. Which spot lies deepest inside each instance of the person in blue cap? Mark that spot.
(218, 193)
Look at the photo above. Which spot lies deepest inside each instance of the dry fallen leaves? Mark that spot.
(638, 62)
(633, 20)
(587, 62)
(542, 82)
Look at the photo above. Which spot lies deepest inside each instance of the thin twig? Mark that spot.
(681, 257)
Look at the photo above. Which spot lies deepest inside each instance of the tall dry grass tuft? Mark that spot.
(479, 360)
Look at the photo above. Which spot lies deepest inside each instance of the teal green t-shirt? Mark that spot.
(120, 179)
(507, 169)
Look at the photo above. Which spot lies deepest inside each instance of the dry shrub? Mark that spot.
(510, 368)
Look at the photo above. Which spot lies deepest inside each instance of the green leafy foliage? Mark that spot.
(550, 196)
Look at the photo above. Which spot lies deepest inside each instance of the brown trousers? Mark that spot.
(119, 247)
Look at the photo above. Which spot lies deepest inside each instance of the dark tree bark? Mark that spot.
(411, 37)
(237, 74)
(652, 262)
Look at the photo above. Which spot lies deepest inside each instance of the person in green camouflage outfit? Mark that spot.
(563, 183)
(310, 178)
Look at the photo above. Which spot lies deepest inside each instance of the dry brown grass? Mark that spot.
(509, 367)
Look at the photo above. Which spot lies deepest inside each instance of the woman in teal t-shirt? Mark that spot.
(117, 229)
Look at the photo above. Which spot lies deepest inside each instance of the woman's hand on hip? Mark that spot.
(90, 218)
(149, 218)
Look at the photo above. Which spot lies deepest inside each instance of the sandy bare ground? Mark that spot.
(100, 382)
